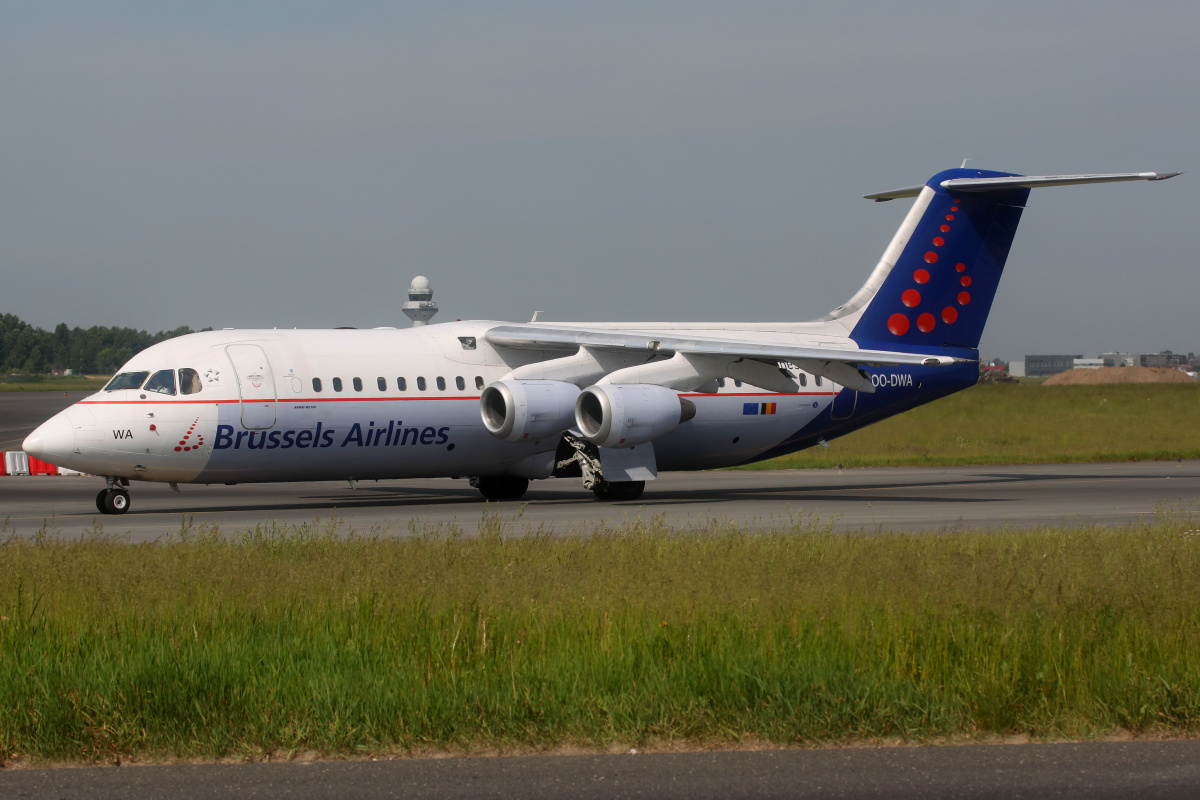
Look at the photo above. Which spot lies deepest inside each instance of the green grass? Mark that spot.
(1023, 424)
(53, 383)
(321, 639)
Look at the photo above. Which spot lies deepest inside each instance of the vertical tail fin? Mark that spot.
(935, 284)
(939, 288)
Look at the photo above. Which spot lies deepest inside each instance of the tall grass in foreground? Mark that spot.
(323, 639)
(1024, 424)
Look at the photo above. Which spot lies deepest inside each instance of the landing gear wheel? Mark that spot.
(502, 487)
(100, 501)
(116, 501)
(619, 490)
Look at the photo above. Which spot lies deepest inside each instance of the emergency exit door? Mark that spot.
(256, 385)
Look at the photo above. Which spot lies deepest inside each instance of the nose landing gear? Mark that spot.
(114, 499)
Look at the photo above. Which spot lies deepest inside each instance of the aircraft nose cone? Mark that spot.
(53, 441)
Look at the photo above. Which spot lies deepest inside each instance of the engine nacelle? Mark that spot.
(625, 415)
(526, 411)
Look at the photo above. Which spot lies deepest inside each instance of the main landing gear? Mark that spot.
(578, 457)
(114, 499)
(501, 487)
(618, 490)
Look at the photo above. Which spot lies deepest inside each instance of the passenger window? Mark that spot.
(402, 384)
(720, 383)
(817, 380)
(162, 382)
(421, 384)
(316, 384)
(803, 379)
(358, 384)
(441, 384)
(189, 381)
(737, 383)
(460, 383)
(478, 381)
(337, 384)
(127, 380)
(382, 384)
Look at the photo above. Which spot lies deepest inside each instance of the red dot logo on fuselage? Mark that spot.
(186, 444)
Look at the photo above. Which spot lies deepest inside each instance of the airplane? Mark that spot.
(612, 403)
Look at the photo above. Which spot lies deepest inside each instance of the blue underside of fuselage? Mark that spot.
(852, 410)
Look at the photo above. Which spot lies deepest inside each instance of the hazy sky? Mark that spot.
(258, 164)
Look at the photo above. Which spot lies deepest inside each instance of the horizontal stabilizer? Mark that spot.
(1021, 181)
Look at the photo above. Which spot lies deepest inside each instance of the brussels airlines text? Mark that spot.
(359, 435)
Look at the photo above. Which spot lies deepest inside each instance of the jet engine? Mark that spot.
(610, 415)
(526, 411)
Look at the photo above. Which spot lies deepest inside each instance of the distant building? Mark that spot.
(1121, 359)
(1088, 363)
(1045, 366)
(1164, 359)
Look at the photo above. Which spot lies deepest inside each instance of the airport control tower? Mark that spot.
(420, 307)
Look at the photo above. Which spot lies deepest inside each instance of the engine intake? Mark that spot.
(527, 411)
(626, 415)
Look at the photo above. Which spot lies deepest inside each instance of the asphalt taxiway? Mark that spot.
(899, 499)
(1094, 770)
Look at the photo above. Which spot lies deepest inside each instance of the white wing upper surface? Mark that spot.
(686, 362)
(542, 338)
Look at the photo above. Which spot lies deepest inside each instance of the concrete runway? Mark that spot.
(21, 412)
(1094, 770)
(901, 499)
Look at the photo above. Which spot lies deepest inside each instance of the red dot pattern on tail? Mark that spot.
(899, 324)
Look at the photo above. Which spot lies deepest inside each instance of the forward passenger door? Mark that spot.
(256, 385)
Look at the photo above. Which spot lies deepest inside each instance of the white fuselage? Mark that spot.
(269, 409)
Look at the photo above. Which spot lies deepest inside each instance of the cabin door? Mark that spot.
(256, 385)
(844, 403)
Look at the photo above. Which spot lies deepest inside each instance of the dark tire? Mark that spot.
(503, 487)
(619, 490)
(116, 501)
(100, 501)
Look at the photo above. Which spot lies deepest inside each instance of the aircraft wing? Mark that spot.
(543, 338)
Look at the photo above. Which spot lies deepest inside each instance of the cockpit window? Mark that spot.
(126, 380)
(189, 381)
(162, 382)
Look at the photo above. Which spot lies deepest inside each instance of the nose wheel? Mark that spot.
(112, 501)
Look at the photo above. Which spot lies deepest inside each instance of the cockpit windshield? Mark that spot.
(163, 382)
(126, 380)
(189, 381)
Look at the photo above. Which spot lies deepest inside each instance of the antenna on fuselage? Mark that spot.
(420, 307)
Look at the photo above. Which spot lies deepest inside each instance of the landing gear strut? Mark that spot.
(586, 458)
(114, 499)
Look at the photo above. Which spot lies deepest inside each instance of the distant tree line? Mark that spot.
(96, 350)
